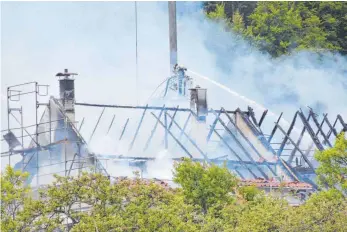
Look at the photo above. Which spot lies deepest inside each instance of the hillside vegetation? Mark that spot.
(284, 27)
(208, 199)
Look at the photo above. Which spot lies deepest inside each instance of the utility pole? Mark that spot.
(173, 35)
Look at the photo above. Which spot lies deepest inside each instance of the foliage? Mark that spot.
(333, 164)
(204, 186)
(218, 13)
(249, 192)
(324, 211)
(283, 27)
(333, 16)
(243, 8)
(263, 214)
(209, 200)
(18, 209)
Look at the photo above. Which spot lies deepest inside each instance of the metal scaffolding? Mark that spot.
(49, 146)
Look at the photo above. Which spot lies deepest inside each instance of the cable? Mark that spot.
(157, 89)
(137, 74)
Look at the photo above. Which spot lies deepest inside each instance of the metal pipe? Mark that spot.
(19, 94)
(42, 123)
(36, 133)
(27, 83)
(71, 164)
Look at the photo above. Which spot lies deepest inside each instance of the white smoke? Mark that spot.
(161, 166)
(97, 40)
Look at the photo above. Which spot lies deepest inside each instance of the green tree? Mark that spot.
(218, 13)
(249, 192)
(18, 209)
(238, 23)
(205, 186)
(264, 213)
(233, 9)
(333, 17)
(282, 27)
(333, 164)
(324, 211)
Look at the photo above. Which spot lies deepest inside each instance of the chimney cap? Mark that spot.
(66, 74)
